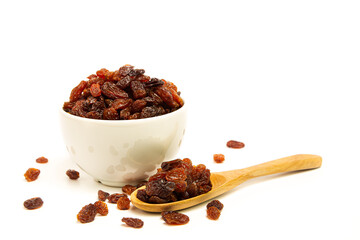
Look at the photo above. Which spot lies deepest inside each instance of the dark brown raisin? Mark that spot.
(219, 158)
(174, 218)
(102, 196)
(73, 174)
(101, 208)
(33, 203)
(138, 89)
(213, 213)
(125, 70)
(215, 203)
(150, 111)
(125, 113)
(128, 189)
(42, 160)
(110, 114)
(138, 105)
(154, 82)
(235, 144)
(142, 196)
(32, 174)
(87, 213)
(166, 96)
(77, 91)
(113, 198)
(124, 82)
(133, 222)
(112, 91)
(121, 103)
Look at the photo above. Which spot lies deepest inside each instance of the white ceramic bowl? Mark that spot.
(120, 152)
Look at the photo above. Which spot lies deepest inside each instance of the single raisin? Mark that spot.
(124, 82)
(101, 208)
(123, 203)
(73, 174)
(32, 174)
(133, 222)
(113, 198)
(154, 82)
(213, 213)
(87, 213)
(102, 196)
(174, 218)
(33, 203)
(121, 103)
(95, 90)
(76, 92)
(219, 158)
(42, 160)
(125, 70)
(138, 89)
(110, 114)
(215, 203)
(235, 144)
(138, 105)
(112, 91)
(128, 189)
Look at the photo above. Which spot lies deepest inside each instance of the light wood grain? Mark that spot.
(225, 181)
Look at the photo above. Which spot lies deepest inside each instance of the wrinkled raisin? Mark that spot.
(215, 203)
(76, 92)
(174, 218)
(32, 174)
(33, 203)
(121, 103)
(101, 208)
(42, 160)
(154, 82)
(213, 213)
(219, 158)
(95, 90)
(113, 198)
(128, 189)
(123, 203)
(133, 222)
(87, 213)
(102, 196)
(138, 105)
(73, 174)
(138, 89)
(110, 114)
(112, 91)
(235, 144)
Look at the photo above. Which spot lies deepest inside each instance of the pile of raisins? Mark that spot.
(122, 95)
(176, 180)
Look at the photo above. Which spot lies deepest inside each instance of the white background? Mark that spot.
(281, 76)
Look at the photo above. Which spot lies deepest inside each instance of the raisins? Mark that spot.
(102, 196)
(113, 198)
(123, 203)
(174, 218)
(101, 208)
(42, 160)
(219, 158)
(133, 222)
(213, 213)
(87, 213)
(128, 189)
(176, 180)
(235, 144)
(123, 94)
(215, 203)
(33, 203)
(32, 174)
(72, 174)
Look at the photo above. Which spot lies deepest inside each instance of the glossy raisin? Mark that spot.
(42, 160)
(215, 203)
(32, 174)
(235, 144)
(113, 198)
(174, 218)
(95, 90)
(138, 89)
(125, 70)
(154, 82)
(72, 174)
(123, 203)
(133, 222)
(110, 90)
(102, 196)
(219, 158)
(213, 213)
(121, 103)
(33, 203)
(87, 213)
(77, 91)
(101, 208)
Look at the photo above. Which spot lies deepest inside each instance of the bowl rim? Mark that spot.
(179, 111)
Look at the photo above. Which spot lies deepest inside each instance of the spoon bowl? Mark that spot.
(225, 181)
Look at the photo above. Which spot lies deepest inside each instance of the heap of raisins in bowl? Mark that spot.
(176, 180)
(123, 94)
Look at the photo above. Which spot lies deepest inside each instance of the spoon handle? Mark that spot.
(286, 164)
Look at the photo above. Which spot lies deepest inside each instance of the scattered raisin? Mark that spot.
(235, 144)
(128, 189)
(73, 174)
(87, 213)
(101, 208)
(219, 158)
(32, 174)
(103, 195)
(133, 222)
(213, 213)
(42, 160)
(33, 203)
(113, 198)
(215, 203)
(123, 203)
(174, 218)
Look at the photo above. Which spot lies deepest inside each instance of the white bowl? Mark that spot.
(120, 152)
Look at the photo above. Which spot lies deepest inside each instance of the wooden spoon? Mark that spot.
(224, 181)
